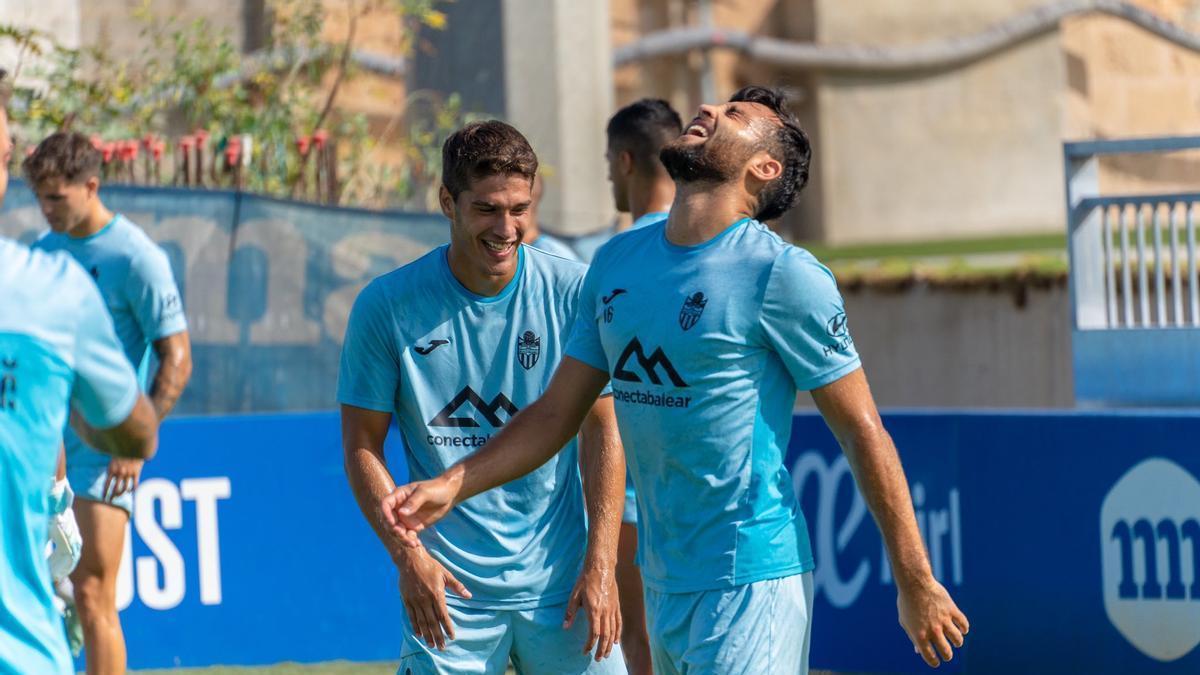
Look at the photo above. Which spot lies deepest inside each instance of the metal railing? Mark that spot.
(1135, 296)
(1133, 257)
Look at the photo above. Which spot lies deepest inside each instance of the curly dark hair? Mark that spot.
(789, 144)
(68, 155)
(483, 149)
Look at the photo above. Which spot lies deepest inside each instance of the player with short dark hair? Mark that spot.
(58, 351)
(642, 188)
(708, 324)
(636, 134)
(135, 279)
(453, 345)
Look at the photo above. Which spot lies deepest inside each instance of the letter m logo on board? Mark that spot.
(1150, 558)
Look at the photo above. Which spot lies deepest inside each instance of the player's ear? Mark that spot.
(764, 167)
(93, 186)
(625, 161)
(446, 202)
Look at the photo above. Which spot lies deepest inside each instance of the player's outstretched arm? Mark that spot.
(525, 443)
(603, 462)
(927, 613)
(423, 580)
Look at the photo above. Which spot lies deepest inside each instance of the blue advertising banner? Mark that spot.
(1071, 540)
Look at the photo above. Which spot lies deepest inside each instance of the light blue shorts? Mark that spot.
(761, 628)
(486, 639)
(87, 470)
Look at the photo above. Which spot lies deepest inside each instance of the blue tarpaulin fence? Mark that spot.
(267, 284)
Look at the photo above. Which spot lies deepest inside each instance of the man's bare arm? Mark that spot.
(136, 437)
(423, 580)
(525, 443)
(603, 481)
(174, 370)
(927, 613)
(603, 464)
(363, 434)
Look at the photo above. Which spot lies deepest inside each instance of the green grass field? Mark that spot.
(328, 668)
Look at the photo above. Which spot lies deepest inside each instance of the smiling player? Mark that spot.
(717, 324)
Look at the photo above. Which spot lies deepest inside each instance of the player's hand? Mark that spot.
(123, 474)
(410, 508)
(932, 620)
(423, 583)
(596, 593)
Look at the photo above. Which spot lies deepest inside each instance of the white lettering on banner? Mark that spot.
(941, 530)
(205, 492)
(1150, 558)
(165, 556)
(161, 576)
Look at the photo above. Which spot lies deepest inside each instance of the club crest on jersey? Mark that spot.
(529, 349)
(693, 307)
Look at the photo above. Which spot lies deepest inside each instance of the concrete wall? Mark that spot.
(59, 18)
(973, 151)
(1123, 81)
(558, 89)
(110, 24)
(940, 347)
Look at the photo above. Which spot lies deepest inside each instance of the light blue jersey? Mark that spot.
(630, 513)
(707, 347)
(454, 367)
(135, 280)
(57, 347)
(551, 244)
(587, 245)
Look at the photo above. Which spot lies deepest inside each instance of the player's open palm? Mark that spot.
(411, 508)
(423, 584)
(123, 475)
(596, 594)
(933, 622)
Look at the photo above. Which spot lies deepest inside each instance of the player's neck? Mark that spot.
(468, 275)
(702, 211)
(651, 196)
(99, 217)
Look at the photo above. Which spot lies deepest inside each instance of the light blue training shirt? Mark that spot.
(135, 280)
(453, 367)
(707, 346)
(57, 347)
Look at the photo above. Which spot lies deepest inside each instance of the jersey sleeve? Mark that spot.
(584, 343)
(803, 321)
(369, 373)
(106, 388)
(154, 296)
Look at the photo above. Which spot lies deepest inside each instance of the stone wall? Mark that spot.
(962, 152)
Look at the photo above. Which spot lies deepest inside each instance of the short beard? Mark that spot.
(697, 163)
